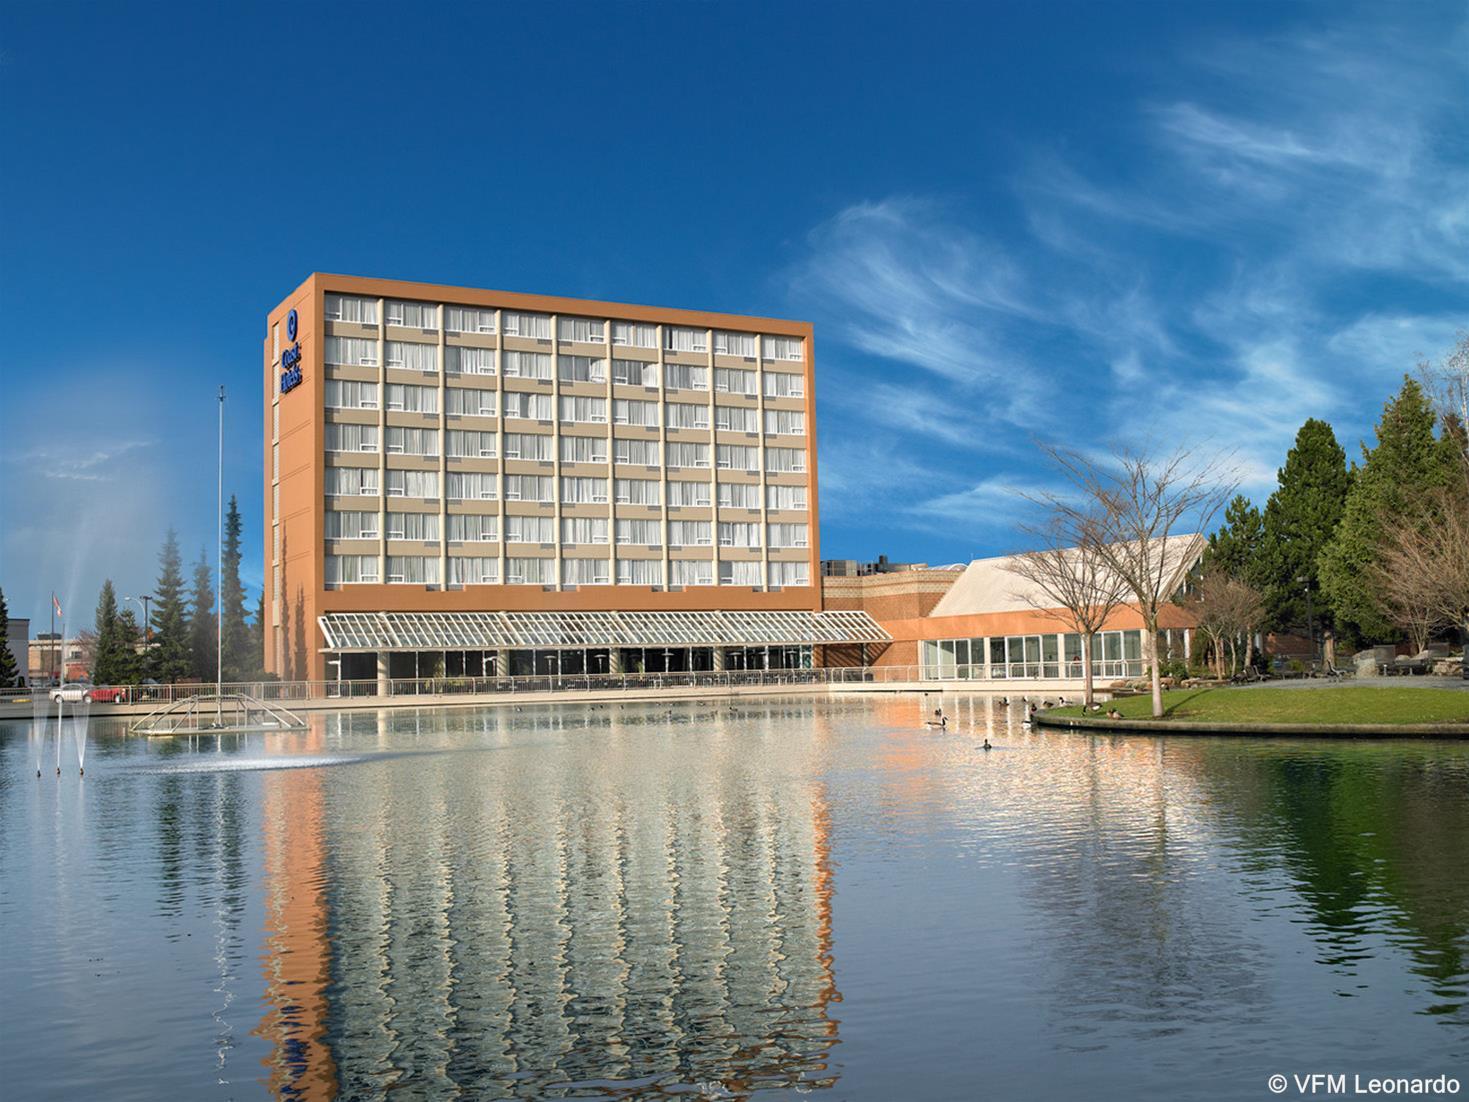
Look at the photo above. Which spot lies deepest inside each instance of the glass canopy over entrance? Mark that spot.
(346, 632)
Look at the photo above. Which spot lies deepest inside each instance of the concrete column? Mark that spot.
(382, 673)
(614, 660)
(502, 663)
(719, 659)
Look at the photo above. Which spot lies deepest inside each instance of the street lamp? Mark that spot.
(143, 600)
(1310, 616)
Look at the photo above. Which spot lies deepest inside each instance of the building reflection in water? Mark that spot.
(633, 900)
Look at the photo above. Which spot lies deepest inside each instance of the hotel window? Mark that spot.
(790, 573)
(413, 570)
(413, 399)
(739, 495)
(688, 456)
(419, 484)
(529, 530)
(639, 571)
(785, 422)
(584, 411)
(637, 491)
(735, 419)
(781, 348)
(785, 460)
(363, 311)
(412, 356)
(351, 481)
(686, 415)
(587, 330)
(634, 373)
(413, 526)
(584, 572)
(350, 525)
(528, 445)
(739, 573)
(576, 530)
(473, 528)
(471, 486)
(529, 571)
(785, 497)
(350, 569)
(782, 384)
(581, 369)
(734, 344)
(682, 493)
(528, 365)
(787, 535)
(275, 421)
(406, 441)
(649, 533)
(468, 319)
(347, 394)
(350, 438)
(528, 487)
(275, 343)
(413, 315)
(527, 406)
(678, 339)
(349, 351)
(467, 444)
(629, 411)
(534, 326)
(737, 457)
(473, 570)
(464, 401)
(686, 377)
(689, 533)
(637, 453)
(693, 572)
(734, 380)
(583, 491)
(739, 534)
(469, 361)
(583, 449)
(634, 335)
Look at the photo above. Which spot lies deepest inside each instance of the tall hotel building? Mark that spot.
(464, 482)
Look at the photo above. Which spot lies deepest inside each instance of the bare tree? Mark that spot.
(1139, 503)
(1422, 570)
(1070, 581)
(1229, 609)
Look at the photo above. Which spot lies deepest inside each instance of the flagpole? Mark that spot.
(219, 575)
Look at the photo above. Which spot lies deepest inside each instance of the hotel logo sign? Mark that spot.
(291, 357)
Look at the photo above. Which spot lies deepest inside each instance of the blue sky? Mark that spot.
(1087, 222)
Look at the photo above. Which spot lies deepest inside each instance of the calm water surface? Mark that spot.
(773, 898)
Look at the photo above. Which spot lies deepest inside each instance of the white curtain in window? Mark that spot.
(528, 445)
(646, 532)
(638, 453)
(413, 399)
(473, 527)
(739, 573)
(634, 373)
(583, 529)
(583, 449)
(790, 573)
(363, 311)
(581, 329)
(348, 569)
(528, 487)
(785, 422)
(529, 571)
(528, 365)
(689, 533)
(535, 326)
(583, 491)
(406, 441)
(413, 315)
(630, 411)
(686, 415)
(413, 526)
(783, 384)
(412, 356)
(679, 339)
(735, 419)
(530, 407)
(473, 570)
(637, 491)
(471, 486)
(739, 495)
(738, 534)
(350, 525)
(693, 572)
(584, 572)
(581, 369)
(467, 444)
(738, 457)
(352, 481)
(349, 394)
(634, 335)
(785, 460)
(785, 497)
(413, 570)
(787, 535)
(781, 348)
(734, 380)
(529, 530)
(688, 456)
(685, 493)
(734, 344)
(468, 319)
(469, 361)
(351, 350)
(350, 438)
(686, 377)
(639, 571)
(587, 411)
(469, 401)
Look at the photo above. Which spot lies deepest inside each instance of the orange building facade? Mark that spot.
(442, 450)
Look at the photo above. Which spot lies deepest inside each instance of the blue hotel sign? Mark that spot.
(291, 357)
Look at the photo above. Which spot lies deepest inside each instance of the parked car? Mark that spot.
(73, 692)
(110, 694)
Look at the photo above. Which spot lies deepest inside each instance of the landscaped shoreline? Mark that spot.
(1335, 710)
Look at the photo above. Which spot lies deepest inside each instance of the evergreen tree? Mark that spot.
(1300, 519)
(202, 641)
(168, 658)
(238, 662)
(106, 656)
(257, 638)
(9, 667)
(129, 641)
(1407, 460)
(1234, 550)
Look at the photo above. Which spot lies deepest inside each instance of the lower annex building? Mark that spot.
(465, 482)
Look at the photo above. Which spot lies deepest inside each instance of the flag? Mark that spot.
(57, 605)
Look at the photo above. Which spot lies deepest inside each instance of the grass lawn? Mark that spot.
(1334, 705)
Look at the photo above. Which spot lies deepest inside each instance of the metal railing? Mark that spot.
(286, 692)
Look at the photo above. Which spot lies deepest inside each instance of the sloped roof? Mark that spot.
(988, 586)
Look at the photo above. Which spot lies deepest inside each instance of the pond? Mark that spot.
(770, 897)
